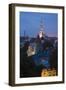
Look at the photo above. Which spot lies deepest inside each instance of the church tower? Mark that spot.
(42, 29)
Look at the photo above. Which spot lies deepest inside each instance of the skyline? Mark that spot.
(30, 23)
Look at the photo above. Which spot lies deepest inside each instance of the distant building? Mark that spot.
(41, 33)
(48, 72)
(30, 51)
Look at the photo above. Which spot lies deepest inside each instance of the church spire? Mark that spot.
(42, 30)
(41, 25)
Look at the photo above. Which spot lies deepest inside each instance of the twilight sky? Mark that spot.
(30, 23)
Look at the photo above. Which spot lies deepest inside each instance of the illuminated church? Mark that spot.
(41, 33)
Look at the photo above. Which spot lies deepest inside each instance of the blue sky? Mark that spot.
(30, 23)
